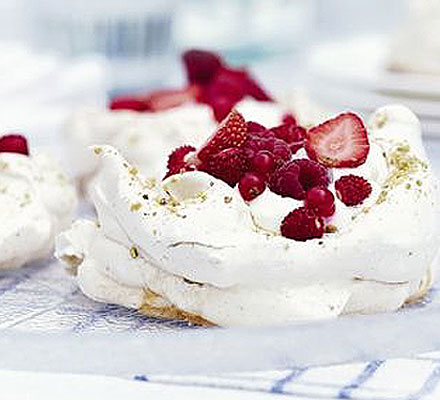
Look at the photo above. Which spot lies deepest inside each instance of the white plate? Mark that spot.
(362, 62)
(46, 324)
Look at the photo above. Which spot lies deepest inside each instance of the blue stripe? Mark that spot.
(369, 370)
(429, 386)
(278, 386)
(141, 378)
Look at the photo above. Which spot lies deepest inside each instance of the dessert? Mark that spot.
(145, 128)
(264, 226)
(416, 45)
(37, 202)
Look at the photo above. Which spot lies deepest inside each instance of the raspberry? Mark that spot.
(288, 118)
(293, 135)
(201, 66)
(321, 201)
(296, 177)
(254, 127)
(251, 186)
(176, 161)
(266, 141)
(263, 162)
(312, 174)
(229, 165)
(14, 144)
(232, 132)
(352, 190)
(302, 224)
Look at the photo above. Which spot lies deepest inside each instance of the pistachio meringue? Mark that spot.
(190, 247)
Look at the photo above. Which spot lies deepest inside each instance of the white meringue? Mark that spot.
(146, 139)
(195, 243)
(37, 201)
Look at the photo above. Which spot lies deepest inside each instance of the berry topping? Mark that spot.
(254, 127)
(14, 144)
(201, 65)
(341, 142)
(267, 141)
(302, 224)
(251, 186)
(288, 118)
(352, 190)
(293, 135)
(263, 162)
(321, 201)
(133, 103)
(177, 161)
(160, 100)
(296, 177)
(232, 132)
(229, 165)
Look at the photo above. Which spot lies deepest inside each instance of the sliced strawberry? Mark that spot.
(14, 143)
(133, 103)
(232, 132)
(164, 99)
(341, 142)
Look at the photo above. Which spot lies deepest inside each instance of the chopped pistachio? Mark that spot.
(134, 253)
(135, 207)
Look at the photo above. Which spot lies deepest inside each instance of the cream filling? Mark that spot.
(196, 243)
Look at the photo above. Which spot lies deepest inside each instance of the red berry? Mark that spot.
(254, 127)
(251, 186)
(293, 135)
(321, 201)
(14, 144)
(341, 142)
(296, 177)
(232, 132)
(263, 162)
(288, 118)
(160, 100)
(229, 165)
(132, 103)
(221, 106)
(201, 66)
(177, 161)
(266, 141)
(352, 190)
(302, 224)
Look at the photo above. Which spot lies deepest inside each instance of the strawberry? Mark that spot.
(160, 100)
(232, 132)
(341, 142)
(133, 103)
(201, 66)
(14, 144)
(229, 165)
(177, 161)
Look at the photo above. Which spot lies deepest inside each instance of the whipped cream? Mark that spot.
(37, 201)
(191, 243)
(146, 139)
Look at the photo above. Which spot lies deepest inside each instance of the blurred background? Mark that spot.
(56, 55)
